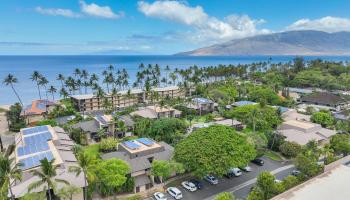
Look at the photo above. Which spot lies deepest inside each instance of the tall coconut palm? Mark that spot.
(52, 90)
(61, 78)
(36, 77)
(77, 72)
(86, 166)
(46, 174)
(43, 82)
(9, 171)
(11, 80)
(64, 93)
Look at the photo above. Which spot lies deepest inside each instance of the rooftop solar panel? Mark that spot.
(34, 161)
(101, 119)
(38, 138)
(131, 145)
(36, 129)
(146, 141)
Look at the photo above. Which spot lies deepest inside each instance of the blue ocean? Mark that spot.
(23, 66)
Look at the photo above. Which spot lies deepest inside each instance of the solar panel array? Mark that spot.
(30, 149)
(38, 138)
(34, 161)
(37, 129)
(131, 145)
(101, 119)
(146, 141)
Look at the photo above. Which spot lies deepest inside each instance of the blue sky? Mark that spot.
(154, 27)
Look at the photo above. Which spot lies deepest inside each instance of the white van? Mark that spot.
(174, 192)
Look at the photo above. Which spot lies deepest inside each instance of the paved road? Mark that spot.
(240, 186)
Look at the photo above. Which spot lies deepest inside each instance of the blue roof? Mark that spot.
(35, 140)
(244, 103)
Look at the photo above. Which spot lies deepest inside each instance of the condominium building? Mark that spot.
(140, 154)
(36, 143)
(126, 98)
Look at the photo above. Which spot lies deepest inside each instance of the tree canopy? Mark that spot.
(324, 118)
(214, 150)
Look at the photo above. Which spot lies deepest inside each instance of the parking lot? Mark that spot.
(240, 186)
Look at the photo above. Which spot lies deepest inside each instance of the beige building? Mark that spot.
(126, 98)
(140, 154)
(303, 132)
(40, 142)
(156, 112)
(37, 110)
(332, 184)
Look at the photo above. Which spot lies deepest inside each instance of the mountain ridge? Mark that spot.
(304, 43)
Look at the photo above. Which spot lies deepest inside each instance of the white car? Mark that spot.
(189, 186)
(159, 196)
(247, 168)
(174, 192)
(211, 179)
(236, 171)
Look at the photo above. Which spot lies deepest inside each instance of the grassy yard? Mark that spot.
(273, 155)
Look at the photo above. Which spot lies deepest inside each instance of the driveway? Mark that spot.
(240, 186)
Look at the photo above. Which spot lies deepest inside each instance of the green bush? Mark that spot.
(290, 149)
(50, 122)
(108, 144)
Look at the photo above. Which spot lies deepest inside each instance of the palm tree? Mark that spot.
(10, 80)
(36, 76)
(64, 93)
(61, 78)
(9, 171)
(46, 175)
(121, 127)
(253, 116)
(43, 82)
(52, 90)
(86, 166)
(77, 72)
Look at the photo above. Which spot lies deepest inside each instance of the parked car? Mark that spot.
(295, 172)
(197, 183)
(159, 196)
(246, 168)
(174, 192)
(211, 179)
(189, 186)
(258, 161)
(233, 172)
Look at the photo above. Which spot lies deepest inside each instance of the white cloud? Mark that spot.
(207, 28)
(56, 12)
(99, 11)
(328, 24)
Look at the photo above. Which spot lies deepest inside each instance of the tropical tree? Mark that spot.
(52, 90)
(11, 80)
(61, 78)
(164, 169)
(46, 174)
(225, 196)
(9, 171)
(112, 173)
(43, 82)
(36, 77)
(227, 149)
(86, 166)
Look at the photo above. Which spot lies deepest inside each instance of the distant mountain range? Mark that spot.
(307, 43)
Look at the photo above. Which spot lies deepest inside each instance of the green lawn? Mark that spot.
(273, 155)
